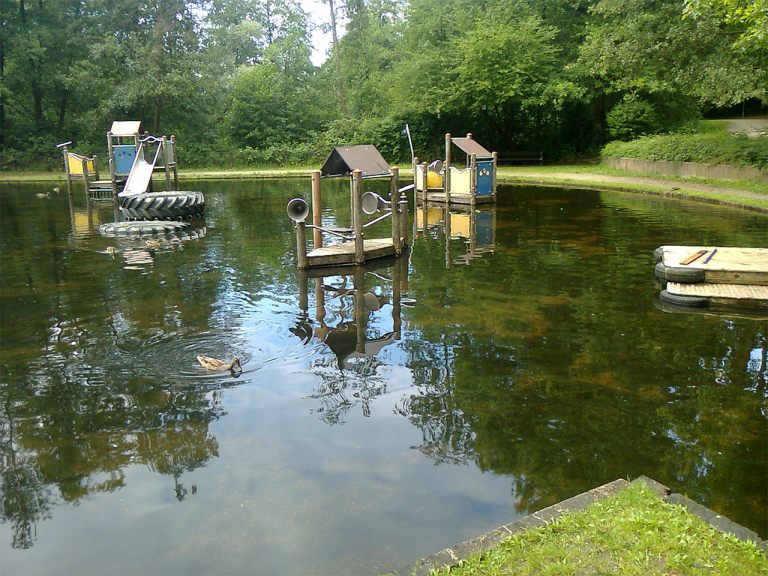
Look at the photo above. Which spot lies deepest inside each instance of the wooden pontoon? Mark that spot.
(357, 162)
(442, 182)
(725, 266)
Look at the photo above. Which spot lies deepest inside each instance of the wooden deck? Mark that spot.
(456, 198)
(727, 294)
(727, 266)
(344, 254)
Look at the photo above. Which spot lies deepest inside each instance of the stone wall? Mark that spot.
(688, 169)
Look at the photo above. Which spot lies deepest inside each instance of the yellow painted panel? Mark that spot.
(419, 177)
(434, 180)
(460, 180)
(76, 164)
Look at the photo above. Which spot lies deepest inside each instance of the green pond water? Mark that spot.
(379, 417)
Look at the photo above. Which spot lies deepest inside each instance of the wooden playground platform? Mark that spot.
(726, 265)
(344, 253)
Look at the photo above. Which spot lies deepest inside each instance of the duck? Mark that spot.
(216, 365)
(41, 195)
(56, 189)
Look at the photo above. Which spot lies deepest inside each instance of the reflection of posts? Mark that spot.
(447, 236)
(361, 317)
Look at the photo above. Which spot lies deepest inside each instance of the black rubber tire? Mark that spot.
(685, 301)
(141, 228)
(171, 205)
(683, 275)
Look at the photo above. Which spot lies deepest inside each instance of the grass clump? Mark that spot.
(714, 147)
(631, 533)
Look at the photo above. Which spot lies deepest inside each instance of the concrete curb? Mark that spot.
(451, 557)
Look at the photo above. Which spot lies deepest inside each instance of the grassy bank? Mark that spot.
(633, 532)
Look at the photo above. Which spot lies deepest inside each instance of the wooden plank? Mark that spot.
(344, 253)
(730, 265)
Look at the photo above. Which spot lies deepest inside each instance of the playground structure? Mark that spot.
(359, 163)
(475, 226)
(440, 181)
(132, 162)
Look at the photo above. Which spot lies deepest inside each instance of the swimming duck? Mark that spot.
(217, 365)
(41, 195)
(56, 189)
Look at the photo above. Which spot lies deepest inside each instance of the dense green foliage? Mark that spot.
(233, 79)
(717, 148)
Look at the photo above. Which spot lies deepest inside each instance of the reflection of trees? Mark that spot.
(339, 390)
(88, 358)
(547, 363)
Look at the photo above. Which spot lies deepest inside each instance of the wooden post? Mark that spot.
(357, 216)
(167, 157)
(472, 178)
(495, 163)
(317, 209)
(175, 163)
(394, 204)
(301, 245)
(404, 222)
(66, 170)
(96, 167)
(416, 173)
(86, 183)
(112, 170)
(447, 177)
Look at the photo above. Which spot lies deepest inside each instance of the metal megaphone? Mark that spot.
(369, 202)
(298, 209)
(436, 166)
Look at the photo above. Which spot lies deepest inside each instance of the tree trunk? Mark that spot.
(337, 56)
(2, 94)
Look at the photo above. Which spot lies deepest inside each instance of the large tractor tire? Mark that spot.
(185, 205)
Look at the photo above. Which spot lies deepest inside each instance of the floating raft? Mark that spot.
(726, 294)
(344, 253)
(745, 266)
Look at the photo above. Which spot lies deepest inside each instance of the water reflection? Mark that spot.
(528, 377)
(346, 302)
(475, 227)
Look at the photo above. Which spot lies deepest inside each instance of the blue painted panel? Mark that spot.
(484, 178)
(125, 154)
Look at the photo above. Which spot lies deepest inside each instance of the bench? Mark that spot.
(517, 158)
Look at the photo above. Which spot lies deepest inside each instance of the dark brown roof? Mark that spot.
(470, 146)
(343, 160)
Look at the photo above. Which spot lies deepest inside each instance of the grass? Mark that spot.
(631, 533)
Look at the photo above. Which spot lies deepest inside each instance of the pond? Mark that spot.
(521, 361)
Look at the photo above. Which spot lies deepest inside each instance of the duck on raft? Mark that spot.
(215, 365)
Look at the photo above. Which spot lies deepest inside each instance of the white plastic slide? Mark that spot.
(141, 173)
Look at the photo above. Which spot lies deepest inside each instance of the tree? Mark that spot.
(749, 17)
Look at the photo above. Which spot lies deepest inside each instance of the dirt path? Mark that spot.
(691, 188)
